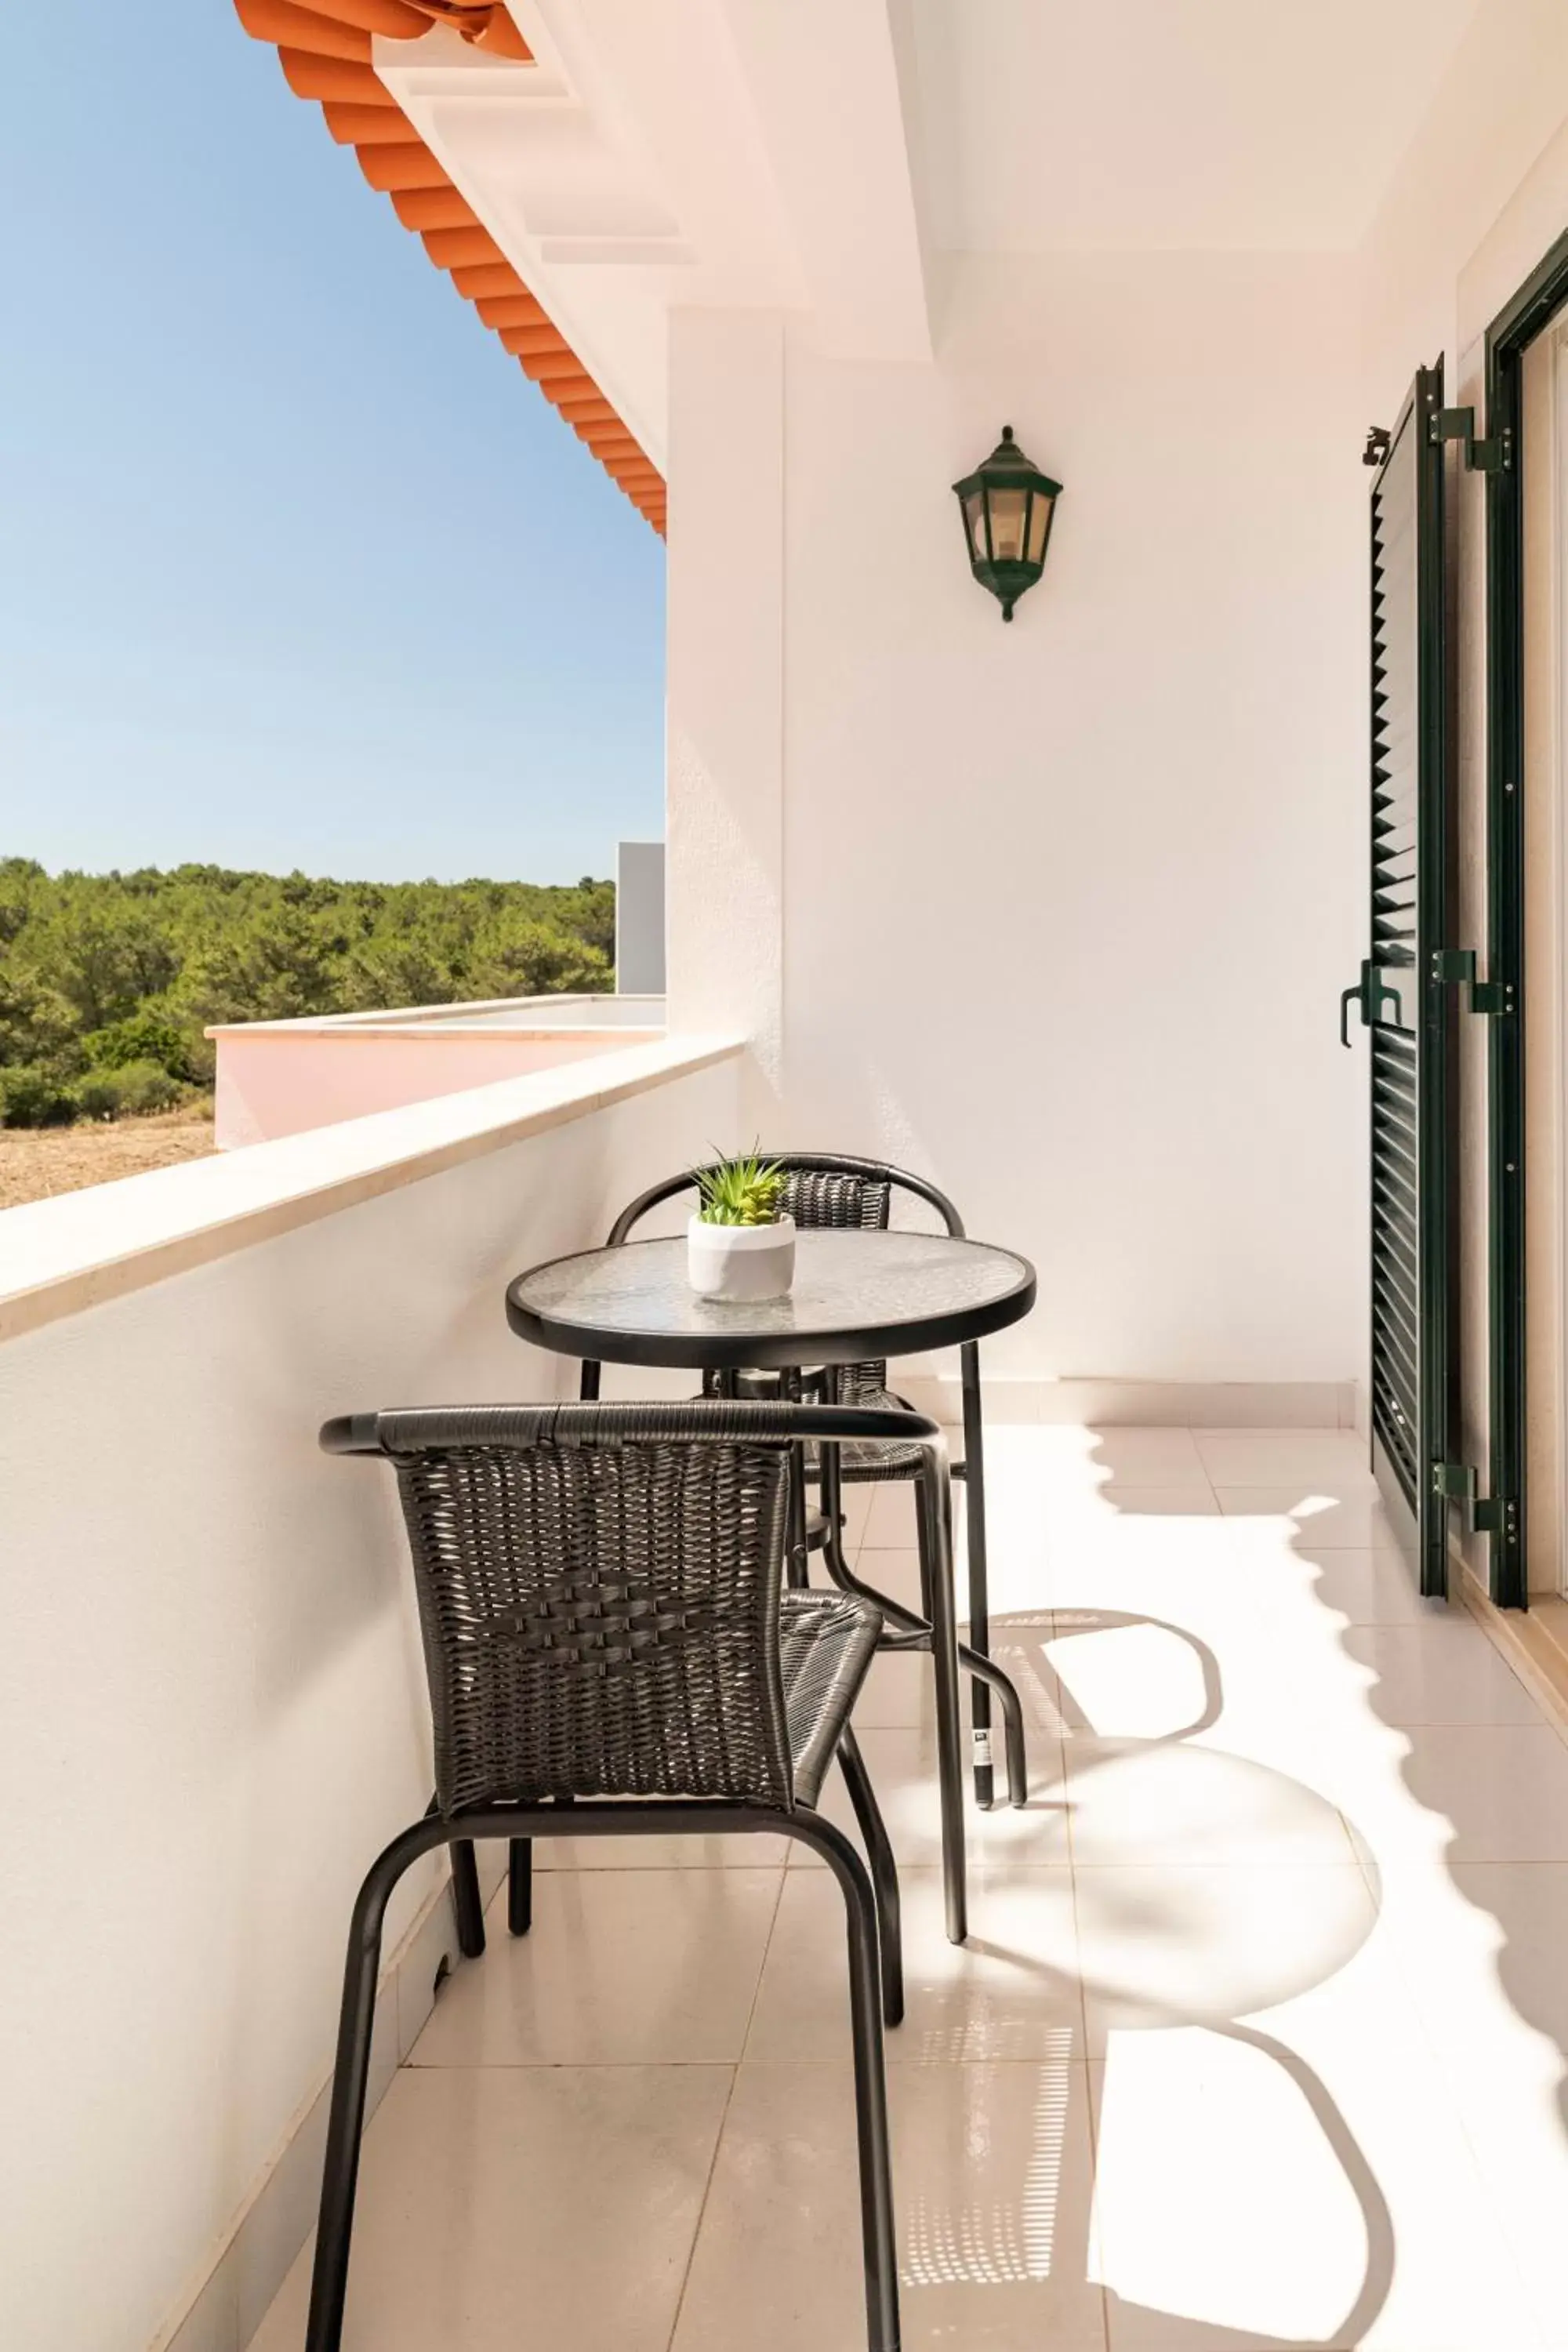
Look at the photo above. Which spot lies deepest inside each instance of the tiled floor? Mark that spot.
(1258, 2039)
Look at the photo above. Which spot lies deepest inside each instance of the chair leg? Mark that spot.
(519, 1886)
(339, 2176)
(884, 1874)
(466, 1900)
(877, 2236)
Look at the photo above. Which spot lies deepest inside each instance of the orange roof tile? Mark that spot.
(324, 51)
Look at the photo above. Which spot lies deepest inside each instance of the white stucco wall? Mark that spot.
(1063, 907)
(211, 1707)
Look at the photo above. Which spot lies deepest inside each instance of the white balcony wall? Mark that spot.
(212, 1709)
(1057, 912)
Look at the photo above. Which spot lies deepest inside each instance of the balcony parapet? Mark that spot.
(60, 1256)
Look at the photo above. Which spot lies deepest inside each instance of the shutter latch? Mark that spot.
(1371, 992)
(1494, 456)
(1455, 968)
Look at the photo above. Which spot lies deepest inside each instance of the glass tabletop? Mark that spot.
(856, 1296)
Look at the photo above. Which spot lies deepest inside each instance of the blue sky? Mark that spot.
(297, 569)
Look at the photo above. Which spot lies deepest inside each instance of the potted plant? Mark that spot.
(740, 1243)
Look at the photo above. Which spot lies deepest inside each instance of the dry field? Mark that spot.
(36, 1161)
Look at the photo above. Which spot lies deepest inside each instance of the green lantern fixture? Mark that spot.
(1007, 506)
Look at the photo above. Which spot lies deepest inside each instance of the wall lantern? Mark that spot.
(1007, 506)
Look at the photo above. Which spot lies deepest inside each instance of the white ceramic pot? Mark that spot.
(740, 1261)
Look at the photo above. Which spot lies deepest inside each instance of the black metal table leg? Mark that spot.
(979, 1590)
(798, 1570)
(935, 1496)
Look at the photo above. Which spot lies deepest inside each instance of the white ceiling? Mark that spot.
(1067, 125)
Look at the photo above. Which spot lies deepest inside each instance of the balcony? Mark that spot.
(1263, 1988)
(1257, 2043)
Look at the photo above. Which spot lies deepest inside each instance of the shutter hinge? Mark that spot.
(1455, 968)
(1487, 1513)
(1455, 1482)
(1494, 456)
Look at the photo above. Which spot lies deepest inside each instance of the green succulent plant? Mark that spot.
(744, 1190)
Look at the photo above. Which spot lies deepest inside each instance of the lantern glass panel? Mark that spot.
(974, 524)
(1039, 524)
(1009, 509)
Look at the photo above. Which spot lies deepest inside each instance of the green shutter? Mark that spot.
(1406, 1000)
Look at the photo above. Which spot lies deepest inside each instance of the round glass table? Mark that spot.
(858, 1297)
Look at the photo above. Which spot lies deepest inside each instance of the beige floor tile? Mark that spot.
(1120, 1674)
(1319, 1514)
(1452, 1925)
(897, 1694)
(857, 1510)
(1006, 1994)
(1481, 1948)
(1101, 1519)
(1313, 2187)
(1170, 1944)
(1021, 1644)
(1521, 1912)
(1272, 1457)
(889, 1516)
(1444, 1672)
(991, 2169)
(1121, 1457)
(1146, 1498)
(1139, 1801)
(1464, 1792)
(620, 1967)
(895, 1571)
(496, 2203)
(903, 1765)
(1368, 1587)
(1193, 1569)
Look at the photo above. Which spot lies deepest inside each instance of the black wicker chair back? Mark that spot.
(845, 1197)
(600, 1613)
(842, 1196)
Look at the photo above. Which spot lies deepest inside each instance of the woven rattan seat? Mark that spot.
(869, 1458)
(827, 1641)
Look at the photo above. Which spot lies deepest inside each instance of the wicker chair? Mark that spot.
(833, 1188)
(611, 1653)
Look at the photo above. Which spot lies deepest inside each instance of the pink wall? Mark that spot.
(279, 1081)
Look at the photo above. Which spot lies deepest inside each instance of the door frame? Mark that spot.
(1522, 319)
(1545, 783)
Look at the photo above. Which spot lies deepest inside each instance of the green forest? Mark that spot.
(108, 980)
